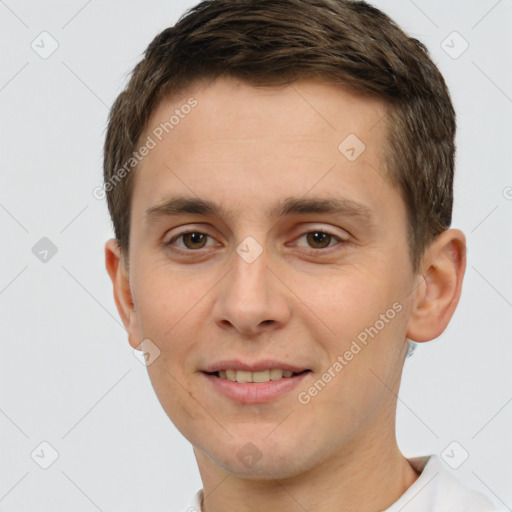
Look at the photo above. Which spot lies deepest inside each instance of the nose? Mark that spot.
(252, 298)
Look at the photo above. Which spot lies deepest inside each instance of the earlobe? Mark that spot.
(133, 331)
(122, 291)
(438, 292)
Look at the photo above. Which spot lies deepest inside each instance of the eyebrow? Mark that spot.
(183, 205)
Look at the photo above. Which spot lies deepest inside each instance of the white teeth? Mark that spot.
(242, 376)
(276, 374)
(261, 376)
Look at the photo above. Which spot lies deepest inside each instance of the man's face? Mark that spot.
(251, 286)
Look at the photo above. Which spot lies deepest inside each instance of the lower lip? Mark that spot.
(255, 392)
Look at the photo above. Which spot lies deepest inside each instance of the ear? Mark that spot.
(438, 292)
(116, 268)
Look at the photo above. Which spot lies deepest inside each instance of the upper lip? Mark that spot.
(257, 366)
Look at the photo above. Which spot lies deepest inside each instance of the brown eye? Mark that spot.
(320, 242)
(319, 239)
(194, 240)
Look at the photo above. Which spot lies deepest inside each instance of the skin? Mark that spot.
(303, 300)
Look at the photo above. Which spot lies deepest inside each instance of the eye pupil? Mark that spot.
(318, 237)
(196, 238)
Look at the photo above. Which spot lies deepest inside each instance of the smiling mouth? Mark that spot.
(243, 376)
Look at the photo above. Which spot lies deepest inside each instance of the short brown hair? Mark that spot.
(276, 42)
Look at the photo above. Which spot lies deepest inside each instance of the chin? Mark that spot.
(259, 459)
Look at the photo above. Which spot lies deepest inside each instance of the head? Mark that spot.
(255, 117)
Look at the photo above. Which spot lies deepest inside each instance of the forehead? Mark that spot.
(238, 141)
(315, 104)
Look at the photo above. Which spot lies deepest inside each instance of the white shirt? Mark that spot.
(435, 490)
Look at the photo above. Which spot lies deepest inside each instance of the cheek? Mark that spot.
(166, 298)
(361, 317)
(176, 396)
(168, 310)
(345, 301)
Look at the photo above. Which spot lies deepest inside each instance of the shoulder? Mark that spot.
(438, 490)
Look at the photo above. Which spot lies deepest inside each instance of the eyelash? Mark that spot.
(341, 241)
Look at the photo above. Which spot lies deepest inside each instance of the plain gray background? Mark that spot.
(68, 375)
